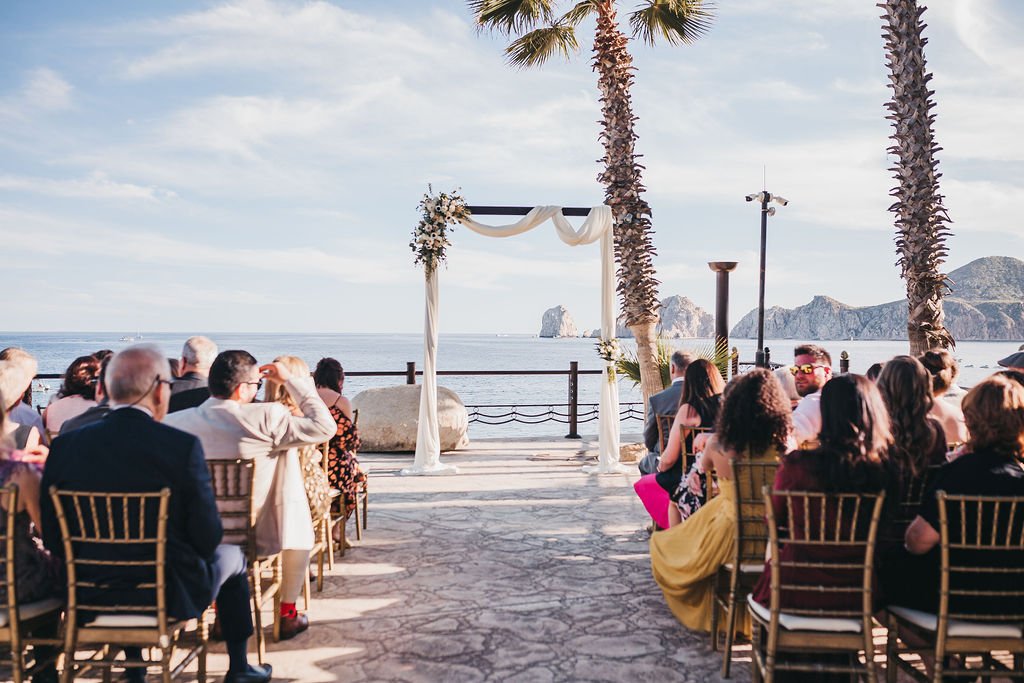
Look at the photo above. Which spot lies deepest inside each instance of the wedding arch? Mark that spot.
(430, 243)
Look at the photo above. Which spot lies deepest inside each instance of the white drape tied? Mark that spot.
(597, 226)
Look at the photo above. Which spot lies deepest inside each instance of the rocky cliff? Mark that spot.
(557, 323)
(680, 319)
(987, 303)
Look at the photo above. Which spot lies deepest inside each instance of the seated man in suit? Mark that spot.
(130, 451)
(231, 426)
(190, 389)
(663, 403)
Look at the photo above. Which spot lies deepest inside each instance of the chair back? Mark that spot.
(912, 490)
(982, 548)
(355, 416)
(751, 477)
(232, 482)
(686, 437)
(664, 422)
(8, 577)
(115, 551)
(830, 539)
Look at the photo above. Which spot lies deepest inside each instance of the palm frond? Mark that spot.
(511, 17)
(540, 45)
(717, 352)
(578, 13)
(676, 21)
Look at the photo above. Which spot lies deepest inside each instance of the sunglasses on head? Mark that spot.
(806, 368)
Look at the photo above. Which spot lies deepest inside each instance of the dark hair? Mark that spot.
(755, 416)
(819, 353)
(855, 438)
(102, 376)
(1016, 375)
(906, 388)
(102, 354)
(994, 413)
(329, 374)
(229, 369)
(942, 366)
(175, 366)
(80, 378)
(874, 371)
(701, 382)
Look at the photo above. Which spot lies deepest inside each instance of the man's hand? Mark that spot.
(276, 372)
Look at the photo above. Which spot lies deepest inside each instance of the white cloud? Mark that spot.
(97, 185)
(43, 90)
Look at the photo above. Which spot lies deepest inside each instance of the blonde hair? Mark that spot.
(276, 392)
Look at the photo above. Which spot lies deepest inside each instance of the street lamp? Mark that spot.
(765, 198)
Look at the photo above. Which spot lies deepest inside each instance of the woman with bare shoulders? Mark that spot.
(342, 465)
(754, 423)
(698, 407)
(943, 368)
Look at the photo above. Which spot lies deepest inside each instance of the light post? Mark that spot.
(765, 197)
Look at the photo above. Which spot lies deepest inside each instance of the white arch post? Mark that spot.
(597, 226)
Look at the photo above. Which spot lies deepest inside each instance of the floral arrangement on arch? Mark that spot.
(610, 352)
(430, 238)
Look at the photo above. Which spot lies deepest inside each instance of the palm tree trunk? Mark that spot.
(921, 218)
(622, 178)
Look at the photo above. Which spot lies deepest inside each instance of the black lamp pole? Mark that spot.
(765, 198)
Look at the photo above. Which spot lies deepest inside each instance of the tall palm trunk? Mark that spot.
(634, 250)
(921, 219)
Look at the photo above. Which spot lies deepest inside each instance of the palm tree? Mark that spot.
(539, 32)
(921, 219)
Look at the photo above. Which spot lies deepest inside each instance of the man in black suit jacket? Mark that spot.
(130, 451)
(663, 403)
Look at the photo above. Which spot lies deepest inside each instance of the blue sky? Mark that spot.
(255, 165)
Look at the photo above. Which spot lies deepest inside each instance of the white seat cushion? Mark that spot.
(957, 628)
(746, 567)
(799, 622)
(32, 609)
(124, 621)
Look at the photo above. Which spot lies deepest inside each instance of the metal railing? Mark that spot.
(571, 413)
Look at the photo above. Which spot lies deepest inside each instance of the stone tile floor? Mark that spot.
(520, 568)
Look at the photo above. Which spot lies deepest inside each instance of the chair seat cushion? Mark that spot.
(746, 567)
(124, 621)
(30, 610)
(800, 622)
(977, 629)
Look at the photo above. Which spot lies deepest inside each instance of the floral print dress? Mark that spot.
(342, 465)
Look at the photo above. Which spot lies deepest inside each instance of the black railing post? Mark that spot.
(844, 363)
(574, 397)
(410, 372)
(767, 358)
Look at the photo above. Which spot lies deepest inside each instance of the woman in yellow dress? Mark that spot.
(754, 421)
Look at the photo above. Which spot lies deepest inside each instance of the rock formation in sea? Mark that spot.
(557, 323)
(680, 319)
(986, 303)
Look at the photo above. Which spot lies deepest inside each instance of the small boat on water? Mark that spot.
(130, 339)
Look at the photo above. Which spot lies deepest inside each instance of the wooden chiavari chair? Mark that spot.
(737, 577)
(20, 622)
(832, 522)
(982, 555)
(132, 527)
(233, 489)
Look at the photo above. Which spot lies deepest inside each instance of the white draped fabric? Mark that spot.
(597, 226)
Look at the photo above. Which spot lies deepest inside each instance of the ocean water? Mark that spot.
(390, 352)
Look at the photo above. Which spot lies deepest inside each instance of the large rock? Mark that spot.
(985, 305)
(680, 318)
(557, 323)
(388, 418)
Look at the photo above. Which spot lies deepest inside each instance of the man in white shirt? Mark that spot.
(812, 368)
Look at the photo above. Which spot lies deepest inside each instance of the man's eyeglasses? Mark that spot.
(805, 369)
(168, 382)
(258, 383)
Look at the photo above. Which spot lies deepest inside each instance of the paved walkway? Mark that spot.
(518, 569)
